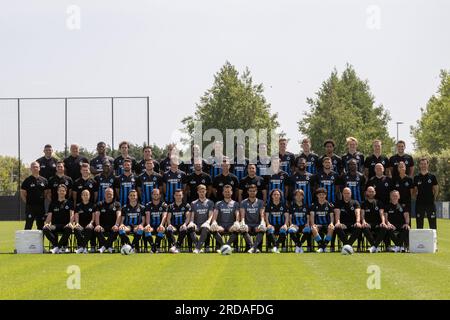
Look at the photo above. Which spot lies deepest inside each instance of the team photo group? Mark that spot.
(273, 203)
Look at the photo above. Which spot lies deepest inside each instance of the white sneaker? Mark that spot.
(257, 250)
(202, 250)
(85, 251)
(64, 250)
(111, 250)
(196, 251)
(275, 250)
(55, 250)
(298, 250)
(402, 249)
(391, 249)
(79, 250)
(320, 250)
(251, 250)
(378, 249)
(102, 249)
(172, 249)
(372, 249)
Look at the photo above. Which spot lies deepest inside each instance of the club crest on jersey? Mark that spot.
(66, 207)
(179, 176)
(386, 184)
(429, 180)
(90, 185)
(376, 208)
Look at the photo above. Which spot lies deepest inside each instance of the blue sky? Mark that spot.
(169, 50)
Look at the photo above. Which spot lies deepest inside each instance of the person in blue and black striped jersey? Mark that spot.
(355, 181)
(302, 180)
(173, 180)
(178, 214)
(148, 181)
(328, 180)
(125, 183)
(262, 161)
(148, 154)
(239, 167)
(155, 220)
(299, 221)
(119, 161)
(277, 179)
(132, 221)
(322, 216)
(287, 159)
(104, 180)
(277, 217)
(312, 159)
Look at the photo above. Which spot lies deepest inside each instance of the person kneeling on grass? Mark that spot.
(200, 220)
(132, 221)
(397, 223)
(83, 221)
(59, 218)
(322, 215)
(276, 218)
(347, 216)
(299, 221)
(226, 218)
(155, 219)
(107, 221)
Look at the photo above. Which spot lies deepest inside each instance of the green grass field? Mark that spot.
(211, 276)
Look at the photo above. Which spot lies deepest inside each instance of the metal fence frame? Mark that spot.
(66, 100)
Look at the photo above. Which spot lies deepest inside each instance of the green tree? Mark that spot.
(432, 132)
(233, 102)
(9, 175)
(343, 107)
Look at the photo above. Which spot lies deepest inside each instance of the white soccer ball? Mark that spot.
(226, 250)
(126, 249)
(347, 249)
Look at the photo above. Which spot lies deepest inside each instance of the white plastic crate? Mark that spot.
(29, 241)
(422, 241)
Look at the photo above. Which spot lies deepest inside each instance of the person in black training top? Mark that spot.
(83, 220)
(397, 223)
(382, 184)
(404, 185)
(148, 155)
(239, 167)
(223, 179)
(47, 163)
(124, 148)
(33, 192)
(312, 159)
(73, 162)
(376, 157)
(104, 180)
(249, 180)
(262, 161)
(373, 220)
(193, 180)
(401, 156)
(59, 220)
(348, 214)
(188, 168)
(97, 163)
(165, 164)
(57, 179)
(354, 180)
(107, 220)
(336, 161)
(287, 159)
(85, 182)
(426, 190)
(352, 145)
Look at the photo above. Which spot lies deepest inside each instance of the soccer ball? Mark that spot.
(347, 249)
(225, 250)
(126, 249)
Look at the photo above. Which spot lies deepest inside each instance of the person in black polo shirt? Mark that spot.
(107, 220)
(57, 179)
(239, 167)
(84, 219)
(382, 184)
(165, 164)
(85, 182)
(373, 220)
(249, 180)
(193, 180)
(404, 185)
(348, 214)
(397, 223)
(376, 157)
(97, 162)
(426, 190)
(148, 155)
(47, 163)
(353, 154)
(188, 167)
(223, 179)
(401, 156)
(33, 192)
(59, 220)
(73, 162)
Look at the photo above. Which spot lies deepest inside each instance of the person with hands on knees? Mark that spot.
(132, 221)
(155, 219)
(322, 217)
(83, 220)
(276, 217)
(107, 220)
